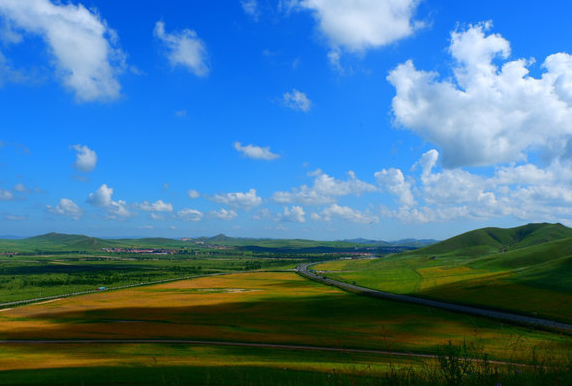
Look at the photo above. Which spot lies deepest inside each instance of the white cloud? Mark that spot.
(119, 209)
(345, 213)
(20, 187)
(255, 152)
(84, 48)
(13, 217)
(251, 8)
(184, 48)
(325, 190)
(487, 114)
(223, 214)
(102, 198)
(157, 206)
(297, 100)
(67, 208)
(193, 193)
(188, 214)
(6, 195)
(360, 25)
(86, 159)
(239, 200)
(526, 192)
(394, 182)
(293, 214)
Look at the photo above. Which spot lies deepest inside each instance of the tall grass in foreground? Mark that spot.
(463, 365)
(456, 365)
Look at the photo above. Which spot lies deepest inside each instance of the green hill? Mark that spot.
(486, 241)
(525, 269)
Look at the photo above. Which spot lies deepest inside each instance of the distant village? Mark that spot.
(162, 251)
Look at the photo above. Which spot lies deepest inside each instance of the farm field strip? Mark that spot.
(47, 298)
(505, 316)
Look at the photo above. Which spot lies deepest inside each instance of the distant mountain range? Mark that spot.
(53, 242)
(477, 242)
(415, 243)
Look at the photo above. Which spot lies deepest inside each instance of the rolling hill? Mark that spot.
(526, 269)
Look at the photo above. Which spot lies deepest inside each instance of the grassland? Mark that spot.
(263, 307)
(275, 307)
(280, 308)
(526, 270)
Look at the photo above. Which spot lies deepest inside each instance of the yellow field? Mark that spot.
(251, 307)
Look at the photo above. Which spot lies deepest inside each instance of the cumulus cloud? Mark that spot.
(239, 200)
(188, 214)
(394, 182)
(255, 152)
(83, 47)
(251, 8)
(184, 48)
(325, 190)
(102, 198)
(487, 114)
(6, 195)
(293, 214)
(359, 25)
(346, 213)
(67, 208)
(223, 214)
(297, 100)
(157, 206)
(86, 159)
(527, 192)
(21, 188)
(193, 193)
(362, 24)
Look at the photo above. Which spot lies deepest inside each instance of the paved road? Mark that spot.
(237, 344)
(303, 269)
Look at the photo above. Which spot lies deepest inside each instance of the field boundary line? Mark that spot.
(246, 344)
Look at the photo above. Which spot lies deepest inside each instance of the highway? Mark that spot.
(304, 270)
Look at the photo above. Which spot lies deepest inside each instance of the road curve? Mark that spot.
(303, 269)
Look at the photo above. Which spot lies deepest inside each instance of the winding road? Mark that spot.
(303, 269)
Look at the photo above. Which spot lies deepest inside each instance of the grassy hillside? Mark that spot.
(493, 240)
(526, 269)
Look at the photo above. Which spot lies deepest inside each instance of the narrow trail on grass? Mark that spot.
(240, 344)
(303, 269)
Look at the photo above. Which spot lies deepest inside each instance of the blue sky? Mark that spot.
(323, 119)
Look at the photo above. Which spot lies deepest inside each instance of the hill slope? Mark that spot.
(486, 241)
